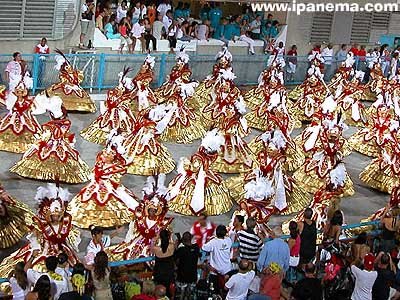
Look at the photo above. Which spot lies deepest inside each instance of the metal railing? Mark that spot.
(101, 69)
(235, 245)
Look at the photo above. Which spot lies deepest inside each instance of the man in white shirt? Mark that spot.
(87, 13)
(364, 279)
(137, 32)
(13, 71)
(59, 284)
(158, 28)
(220, 254)
(167, 20)
(238, 285)
(164, 7)
(327, 54)
(255, 28)
(122, 10)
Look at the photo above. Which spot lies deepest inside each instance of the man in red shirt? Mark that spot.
(41, 48)
(362, 53)
(317, 48)
(354, 49)
(202, 230)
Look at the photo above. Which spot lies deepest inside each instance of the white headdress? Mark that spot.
(182, 55)
(224, 53)
(150, 60)
(60, 60)
(338, 175)
(51, 191)
(213, 140)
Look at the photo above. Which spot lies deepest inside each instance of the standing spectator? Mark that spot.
(244, 36)
(124, 28)
(215, 16)
(317, 48)
(122, 11)
(159, 31)
(386, 276)
(13, 70)
(354, 49)
(178, 13)
(360, 248)
(186, 258)
(99, 21)
(255, 28)
(362, 53)
(136, 13)
(389, 229)
(310, 287)
(173, 30)
(59, 284)
(163, 250)
(78, 281)
(294, 243)
(202, 230)
(333, 229)
(364, 279)
(220, 33)
(308, 235)
(280, 50)
(327, 54)
(87, 13)
(109, 29)
(148, 35)
(341, 55)
(292, 62)
(137, 33)
(42, 49)
(41, 290)
(167, 20)
(220, 263)
(19, 282)
(249, 242)
(237, 226)
(203, 31)
(97, 244)
(160, 292)
(164, 7)
(393, 65)
(101, 277)
(266, 28)
(270, 283)
(152, 12)
(186, 11)
(204, 12)
(275, 250)
(238, 285)
(63, 267)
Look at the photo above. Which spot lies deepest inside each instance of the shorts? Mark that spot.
(125, 40)
(291, 68)
(84, 27)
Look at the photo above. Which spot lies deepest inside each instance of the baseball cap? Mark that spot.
(369, 261)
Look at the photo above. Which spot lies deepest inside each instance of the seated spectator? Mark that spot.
(192, 29)
(183, 32)
(359, 247)
(179, 13)
(167, 20)
(255, 28)
(238, 285)
(19, 282)
(232, 30)
(220, 253)
(203, 30)
(310, 287)
(186, 11)
(158, 28)
(148, 35)
(386, 276)
(160, 292)
(147, 292)
(274, 30)
(152, 12)
(41, 290)
(163, 7)
(122, 11)
(220, 32)
(124, 27)
(250, 243)
(364, 278)
(99, 21)
(244, 36)
(172, 36)
(78, 281)
(137, 33)
(270, 283)
(109, 29)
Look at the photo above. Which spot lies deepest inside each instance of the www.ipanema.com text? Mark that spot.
(300, 7)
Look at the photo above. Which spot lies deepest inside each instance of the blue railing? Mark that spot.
(151, 258)
(101, 70)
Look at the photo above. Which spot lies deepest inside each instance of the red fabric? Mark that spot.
(355, 51)
(123, 30)
(271, 286)
(143, 297)
(295, 251)
(199, 236)
(315, 49)
(362, 53)
(369, 261)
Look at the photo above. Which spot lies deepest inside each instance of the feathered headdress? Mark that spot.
(182, 56)
(227, 74)
(224, 54)
(150, 60)
(115, 141)
(124, 81)
(51, 199)
(212, 141)
(359, 75)
(61, 59)
(259, 189)
(315, 56)
(154, 192)
(338, 175)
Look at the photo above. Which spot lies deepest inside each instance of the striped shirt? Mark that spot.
(249, 245)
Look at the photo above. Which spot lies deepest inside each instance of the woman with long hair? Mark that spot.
(163, 250)
(42, 289)
(294, 243)
(333, 229)
(100, 274)
(19, 282)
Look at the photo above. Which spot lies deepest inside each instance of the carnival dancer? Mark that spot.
(145, 154)
(19, 126)
(197, 188)
(205, 88)
(15, 220)
(377, 80)
(148, 220)
(105, 201)
(52, 232)
(115, 114)
(69, 89)
(383, 173)
(226, 112)
(268, 184)
(326, 146)
(53, 156)
(268, 95)
(312, 92)
(142, 96)
(343, 74)
(326, 199)
(3, 94)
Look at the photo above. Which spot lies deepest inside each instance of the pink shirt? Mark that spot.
(13, 68)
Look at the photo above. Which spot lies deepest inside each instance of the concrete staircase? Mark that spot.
(10, 18)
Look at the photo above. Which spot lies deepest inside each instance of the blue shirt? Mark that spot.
(215, 15)
(219, 32)
(204, 14)
(179, 13)
(186, 13)
(273, 31)
(276, 251)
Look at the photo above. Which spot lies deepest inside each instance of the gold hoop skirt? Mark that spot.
(73, 102)
(150, 164)
(11, 142)
(382, 180)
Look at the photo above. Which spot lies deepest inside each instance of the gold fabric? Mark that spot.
(52, 169)
(149, 164)
(95, 134)
(201, 96)
(11, 142)
(382, 180)
(242, 163)
(72, 102)
(370, 148)
(217, 200)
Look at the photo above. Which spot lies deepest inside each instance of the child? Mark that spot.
(123, 29)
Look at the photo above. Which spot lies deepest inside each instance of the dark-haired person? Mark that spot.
(78, 281)
(220, 254)
(294, 243)
(101, 277)
(163, 250)
(202, 230)
(250, 243)
(386, 276)
(87, 13)
(308, 236)
(308, 288)
(148, 35)
(63, 268)
(359, 247)
(41, 290)
(333, 229)
(238, 284)
(390, 226)
(13, 69)
(19, 282)
(59, 284)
